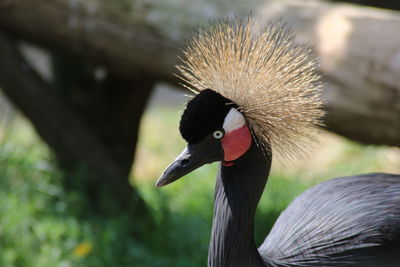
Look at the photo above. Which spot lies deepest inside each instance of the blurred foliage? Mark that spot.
(41, 225)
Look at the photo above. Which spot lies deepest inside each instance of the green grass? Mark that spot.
(41, 225)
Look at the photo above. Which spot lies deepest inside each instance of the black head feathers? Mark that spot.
(274, 81)
(204, 114)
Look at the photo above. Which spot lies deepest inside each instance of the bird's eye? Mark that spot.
(218, 134)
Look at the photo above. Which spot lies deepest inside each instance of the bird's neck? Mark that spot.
(237, 193)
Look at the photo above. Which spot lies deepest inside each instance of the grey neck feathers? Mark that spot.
(237, 193)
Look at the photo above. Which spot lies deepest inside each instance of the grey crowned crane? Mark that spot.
(258, 92)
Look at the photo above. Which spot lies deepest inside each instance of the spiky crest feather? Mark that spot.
(272, 79)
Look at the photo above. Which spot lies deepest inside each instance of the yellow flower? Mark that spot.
(83, 249)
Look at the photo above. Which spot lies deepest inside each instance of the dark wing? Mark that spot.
(348, 221)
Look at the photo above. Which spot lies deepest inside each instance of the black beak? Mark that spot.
(191, 158)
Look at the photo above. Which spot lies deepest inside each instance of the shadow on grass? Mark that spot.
(42, 225)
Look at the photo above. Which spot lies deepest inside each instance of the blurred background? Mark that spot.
(89, 115)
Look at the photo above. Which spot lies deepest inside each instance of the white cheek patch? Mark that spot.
(233, 120)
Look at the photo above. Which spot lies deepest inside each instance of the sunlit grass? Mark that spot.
(39, 225)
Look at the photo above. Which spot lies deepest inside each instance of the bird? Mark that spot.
(258, 93)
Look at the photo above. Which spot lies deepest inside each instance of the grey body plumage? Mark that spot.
(349, 221)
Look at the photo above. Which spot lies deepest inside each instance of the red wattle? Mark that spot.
(235, 143)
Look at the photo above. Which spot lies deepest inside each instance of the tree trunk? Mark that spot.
(359, 50)
(93, 130)
(359, 47)
(389, 4)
